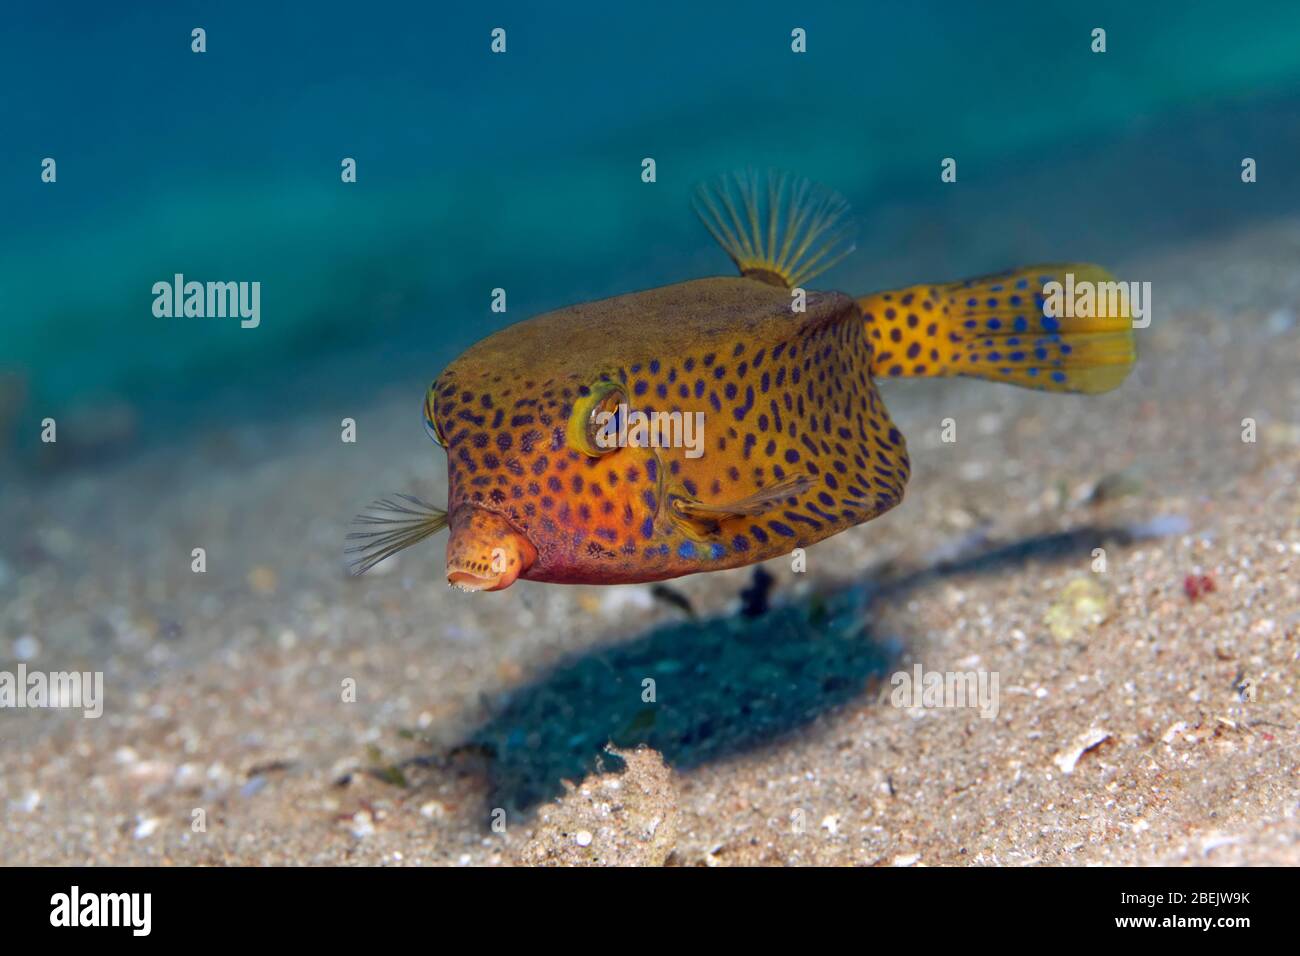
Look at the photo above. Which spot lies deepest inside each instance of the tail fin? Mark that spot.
(1013, 327)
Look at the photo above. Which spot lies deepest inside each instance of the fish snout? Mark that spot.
(484, 552)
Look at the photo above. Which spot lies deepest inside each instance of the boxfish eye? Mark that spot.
(597, 418)
(431, 423)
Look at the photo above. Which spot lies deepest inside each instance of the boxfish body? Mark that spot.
(724, 421)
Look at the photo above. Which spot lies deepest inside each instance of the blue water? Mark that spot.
(522, 170)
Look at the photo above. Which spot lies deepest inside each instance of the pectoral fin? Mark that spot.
(765, 499)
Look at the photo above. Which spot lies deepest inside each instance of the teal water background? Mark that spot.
(522, 170)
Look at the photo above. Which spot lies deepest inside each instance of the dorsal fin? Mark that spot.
(776, 228)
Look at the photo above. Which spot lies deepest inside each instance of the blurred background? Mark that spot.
(522, 171)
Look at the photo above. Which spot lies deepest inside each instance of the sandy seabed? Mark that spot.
(1142, 718)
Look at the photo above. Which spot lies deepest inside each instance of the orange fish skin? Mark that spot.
(783, 394)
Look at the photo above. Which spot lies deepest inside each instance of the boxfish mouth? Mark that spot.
(485, 552)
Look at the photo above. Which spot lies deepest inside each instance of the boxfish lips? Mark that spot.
(484, 551)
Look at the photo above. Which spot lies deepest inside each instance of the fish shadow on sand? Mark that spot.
(721, 685)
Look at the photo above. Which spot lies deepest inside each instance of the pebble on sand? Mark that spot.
(1068, 758)
(263, 580)
(1081, 606)
(146, 828)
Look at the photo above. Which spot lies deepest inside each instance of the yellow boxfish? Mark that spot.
(554, 428)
